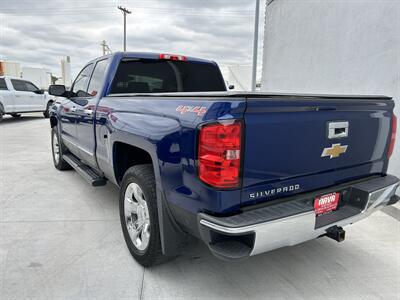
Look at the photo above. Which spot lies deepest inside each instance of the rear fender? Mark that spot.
(173, 239)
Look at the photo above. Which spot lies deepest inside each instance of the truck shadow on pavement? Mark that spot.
(305, 270)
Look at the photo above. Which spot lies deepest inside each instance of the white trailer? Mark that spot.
(39, 76)
(240, 77)
(328, 46)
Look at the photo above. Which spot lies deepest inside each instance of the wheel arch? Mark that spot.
(125, 156)
(50, 102)
(53, 121)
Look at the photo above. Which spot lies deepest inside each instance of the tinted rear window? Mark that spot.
(23, 86)
(19, 85)
(3, 85)
(162, 76)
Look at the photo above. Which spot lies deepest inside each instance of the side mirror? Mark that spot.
(39, 92)
(57, 90)
(231, 87)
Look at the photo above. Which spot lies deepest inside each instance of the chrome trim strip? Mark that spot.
(75, 145)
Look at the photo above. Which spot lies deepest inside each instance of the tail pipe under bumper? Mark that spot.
(294, 221)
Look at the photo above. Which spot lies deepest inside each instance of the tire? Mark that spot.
(1, 116)
(16, 115)
(58, 160)
(146, 217)
(46, 113)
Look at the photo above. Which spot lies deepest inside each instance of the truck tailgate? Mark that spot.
(288, 150)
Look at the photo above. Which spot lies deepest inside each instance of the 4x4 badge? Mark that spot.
(335, 151)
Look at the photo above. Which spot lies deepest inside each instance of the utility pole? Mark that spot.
(125, 12)
(255, 47)
(103, 45)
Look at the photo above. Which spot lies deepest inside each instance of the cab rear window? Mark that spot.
(164, 76)
(3, 85)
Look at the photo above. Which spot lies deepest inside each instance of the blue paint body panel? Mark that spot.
(153, 124)
(283, 139)
(286, 139)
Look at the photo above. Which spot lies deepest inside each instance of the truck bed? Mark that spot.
(284, 137)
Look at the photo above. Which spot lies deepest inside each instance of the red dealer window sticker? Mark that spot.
(326, 203)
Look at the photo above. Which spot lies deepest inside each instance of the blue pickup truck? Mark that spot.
(244, 172)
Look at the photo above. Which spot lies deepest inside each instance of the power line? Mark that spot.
(98, 8)
(125, 12)
(143, 11)
(104, 21)
(105, 8)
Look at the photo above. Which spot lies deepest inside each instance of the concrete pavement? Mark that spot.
(61, 239)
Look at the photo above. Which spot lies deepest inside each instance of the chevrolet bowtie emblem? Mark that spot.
(334, 151)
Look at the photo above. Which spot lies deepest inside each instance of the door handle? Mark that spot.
(73, 109)
(338, 130)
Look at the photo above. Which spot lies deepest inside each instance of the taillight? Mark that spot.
(219, 153)
(173, 57)
(393, 136)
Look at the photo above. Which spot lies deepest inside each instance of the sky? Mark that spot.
(38, 33)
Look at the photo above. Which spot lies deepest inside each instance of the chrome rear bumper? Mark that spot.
(239, 237)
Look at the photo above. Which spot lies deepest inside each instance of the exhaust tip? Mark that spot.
(336, 233)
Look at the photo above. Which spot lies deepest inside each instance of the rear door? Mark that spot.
(85, 113)
(37, 100)
(68, 112)
(296, 145)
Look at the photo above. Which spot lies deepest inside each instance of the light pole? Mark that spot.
(125, 12)
(255, 47)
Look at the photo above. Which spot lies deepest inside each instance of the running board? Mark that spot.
(85, 171)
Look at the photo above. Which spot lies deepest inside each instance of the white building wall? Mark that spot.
(332, 46)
